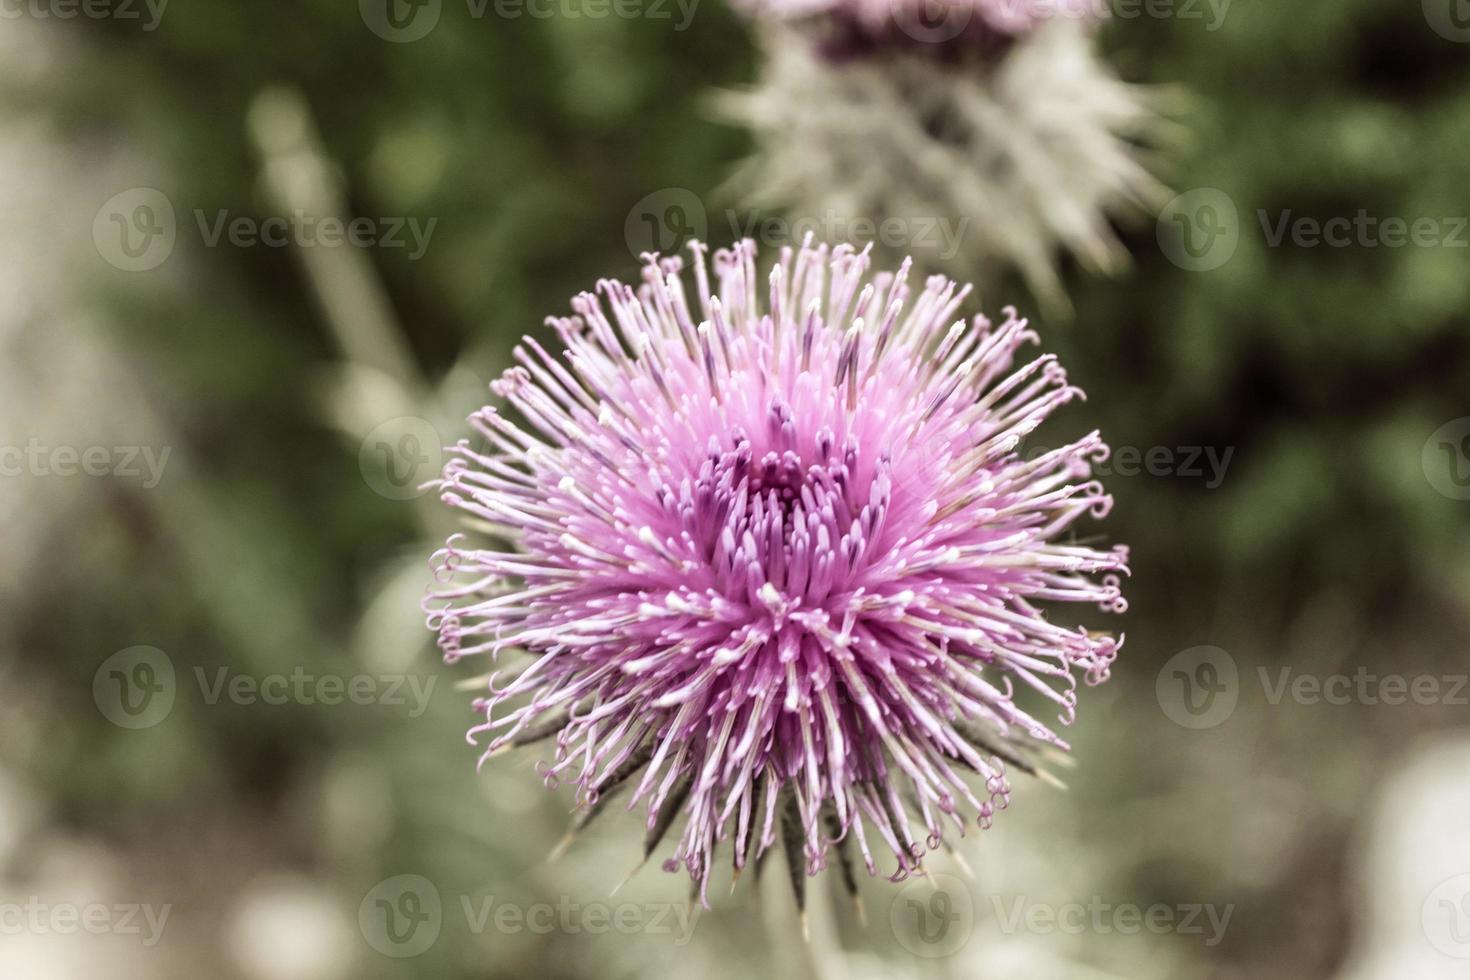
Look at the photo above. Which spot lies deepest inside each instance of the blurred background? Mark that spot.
(258, 261)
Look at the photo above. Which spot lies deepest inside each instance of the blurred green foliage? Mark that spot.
(1324, 369)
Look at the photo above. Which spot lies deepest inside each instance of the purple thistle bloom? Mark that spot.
(777, 566)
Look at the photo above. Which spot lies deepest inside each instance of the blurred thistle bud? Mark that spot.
(991, 131)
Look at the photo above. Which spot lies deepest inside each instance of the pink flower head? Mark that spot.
(776, 560)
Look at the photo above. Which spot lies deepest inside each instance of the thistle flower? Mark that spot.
(1030, 142)
(777, 566)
